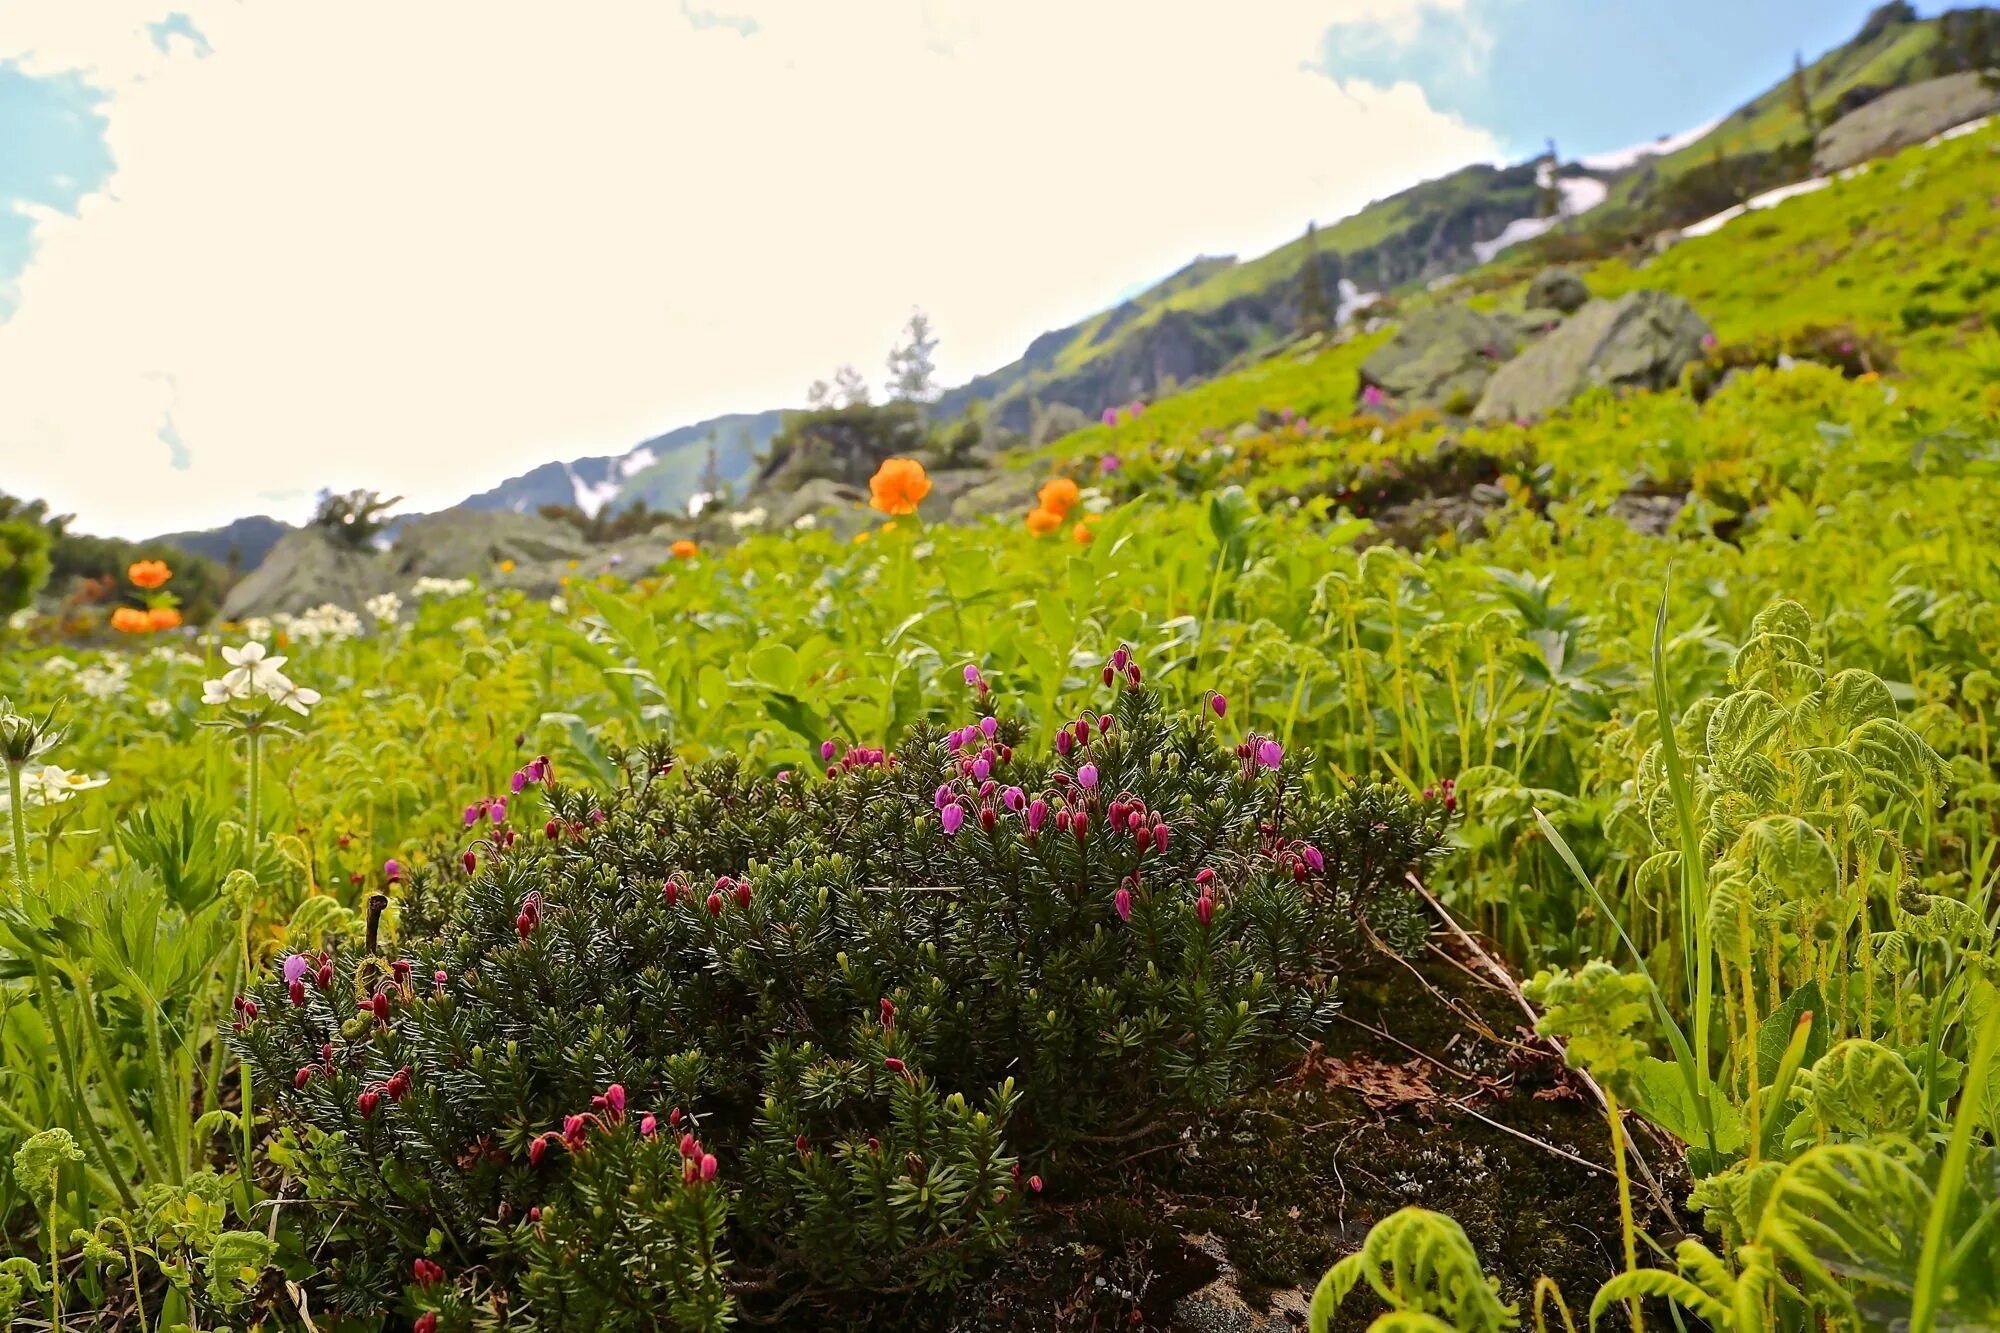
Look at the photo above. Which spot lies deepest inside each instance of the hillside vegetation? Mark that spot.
(1312, 858)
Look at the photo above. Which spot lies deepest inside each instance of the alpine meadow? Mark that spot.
(1440, 778)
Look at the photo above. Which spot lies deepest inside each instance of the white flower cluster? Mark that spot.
(325, 623)
(436, 587)
(385, 607)
(49, 785)
(21, 619)
(105, 680)
(252, 674)
(58, 665)
(747, 518)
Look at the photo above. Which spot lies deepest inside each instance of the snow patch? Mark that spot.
(1352, 301)
(1710, 225)
(591, 498)
(1574, 195)
(1620, 158)
(637, 461)
(1958, 131)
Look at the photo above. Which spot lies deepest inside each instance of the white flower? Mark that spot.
(559, 605)
(385, 608)
(298, 698)
(806, 522)
(253, 673)
(158, 707)
(258, 627)
(50, 785)
(105, 680)
(747, 518)
(21, 619)
(323, 623)
(429, 586)
(466, 625)
(58, 665)
(218, 692)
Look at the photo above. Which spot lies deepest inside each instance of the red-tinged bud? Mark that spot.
(1121, 902)
(888, 1012)
(874, 1144)
(1062, 821)
(689, 1146)
(426, 1322)
(535, 1214)
(708, 1166)
(367, 1102)
(1035, 1182)
(715, 904)
(1109, 675)
(380, 1004)
(1104, 724)
(303, 1077)
(552, 830)
(614, 1098)
(987, 819)
(1079, 824)
(674, 1117)
(250, 1010)
(326, 1052)
(439, 980)
(324, 977)
(689, 1170)
(1142, 838)
(1160, 835)
(1205, 876)
(524, 925)
(1006, 754)
(673, 891)
(648, 1126)
(805, 1149)
(401, 967)
(471, 860)
(1204, 908)
(743, 893)
(297, 990)
(537, 1150)
(893, 1065)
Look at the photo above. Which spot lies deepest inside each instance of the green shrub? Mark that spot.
(24, 564)
(825, 1035)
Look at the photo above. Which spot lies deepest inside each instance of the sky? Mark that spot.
(254, 248)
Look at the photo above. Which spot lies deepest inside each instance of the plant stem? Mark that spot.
(121, 1106)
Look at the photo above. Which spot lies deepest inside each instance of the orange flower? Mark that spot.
(684, 549)
(131, 620)
(1059, 495)
(1042, 522)
(163, 617)
(898, 486)
(149, 573)
(1081, 533)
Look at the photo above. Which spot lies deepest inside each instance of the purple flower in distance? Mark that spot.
(1110, 463)
(1110, 416)
(971, 674)
(1372, 396)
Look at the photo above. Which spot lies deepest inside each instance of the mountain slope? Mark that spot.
(664, 471)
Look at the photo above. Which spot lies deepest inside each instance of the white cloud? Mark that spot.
(423, 247)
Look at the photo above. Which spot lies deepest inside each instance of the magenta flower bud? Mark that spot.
(649, 1126)
(1204, 908)
(1014, 799)
(971, 674)
(470, 860)
(1065, 742)
(614, 1098)
(1161, 835)
(942, 797)
(1219, 704)
(953, 819)
(439, 979)
(472, 812)
(1110, 416)
(297, 991)
(989, 727)
(303, 1077)
(1121, 902)
(519, 782)
(1120, 657)
(708, 1166)
(1205, 876)
(392, 870)
(1086, 777)
(1313, 858)
(827, 749)
(893, 1065)
(1270, 754)
(496, 810)
(1038, 813)
(982, 768)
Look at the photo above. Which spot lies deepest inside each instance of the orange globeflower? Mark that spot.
(163, 617)
(1059, 495)
(898, 486)
(1081, 533)
(683, 549)
(149, 573)
(131, 620)
(1042, 522)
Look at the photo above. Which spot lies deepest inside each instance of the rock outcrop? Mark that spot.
(309, 568)
(1642, 340)
(1557, 289)
(1902, 117)
(1441, 357)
